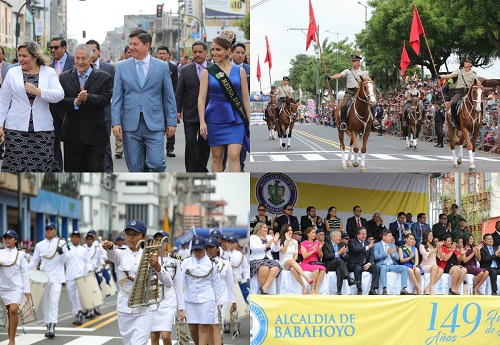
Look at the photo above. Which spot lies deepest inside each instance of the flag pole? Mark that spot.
(324, 69)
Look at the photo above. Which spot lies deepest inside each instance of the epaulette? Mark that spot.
(175, 256)
(121, 248)
(213, 260)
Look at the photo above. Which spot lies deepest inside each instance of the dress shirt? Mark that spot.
(87, 74)
(388, 259)
(53, 268)
(492, 253)
(204, 65)
(15, 277)
(200, 290)
(145, 66)
(77, 262)
(173, 268)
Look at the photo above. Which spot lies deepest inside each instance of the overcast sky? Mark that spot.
(274, 18)
(235, 189)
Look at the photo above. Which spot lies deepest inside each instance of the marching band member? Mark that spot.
(218, 235)
(227, 284)
(174, 296)
(134, 323)
(203, 293)
(97, 258)
(14, 280)
(120, 242)
(48, 255)
(77, 261)
(239, 263)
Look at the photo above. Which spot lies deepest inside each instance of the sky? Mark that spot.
(275, 20)
(235, 189)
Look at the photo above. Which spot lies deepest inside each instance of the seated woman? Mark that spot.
(311, 252)
(408, 256)
(449, 261)
(470, 253)
(430, 251)
(288, 253)
(261, 261)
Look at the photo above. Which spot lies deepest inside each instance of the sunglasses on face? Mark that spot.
(289, 209)
(54, 47)
(261, 209)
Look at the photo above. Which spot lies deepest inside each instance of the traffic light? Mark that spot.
(39, 40)
(84, 34)
(123, 36)
(33, 8)
(205, 38)
(159, 11)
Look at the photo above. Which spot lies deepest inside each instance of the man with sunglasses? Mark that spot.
(61, 61)
(355, 222)
(260, 217)
(287, 218)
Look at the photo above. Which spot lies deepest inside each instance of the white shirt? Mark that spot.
(52, 267)
(227, 280)
(184, 253)
(174, 296)
(200, 290)
(77, 262)
(239, 264)
(127, 261)
(97, 254)
(15, 277)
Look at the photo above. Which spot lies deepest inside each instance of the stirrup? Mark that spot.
(343, 126)
(453, 124)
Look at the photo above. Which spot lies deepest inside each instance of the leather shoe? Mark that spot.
(437, 145)
(372, 292)
(404, 292)
(494, 294)
(339, 292)
(170, 154)
(384, 292)
(360, 292)
(118, 156)
(352, 282)
(440, 145)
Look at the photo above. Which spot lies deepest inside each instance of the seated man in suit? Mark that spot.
(375, 226)
(334, 257)
(490, 260)
(361, 259)
(286, 218)
(355, 222)
(496, 234)
(441, 228)
(399, 229)
(418, 228)
(311, 220)
(386, 257)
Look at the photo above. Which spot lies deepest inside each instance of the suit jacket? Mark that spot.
(358, 255)
(87, 125)
(110, 69)
(57, 112)
(487, 258)
(496, 238)
(305, 222)
(246, 67)
(282, 220)
(380, 254)
(329, 252)
(186, 94)
(416, 230)
(5, 68)
(394, 229)
(15, 106)
(156, 97)
(173, 74)
(352, 226)
(438, 230)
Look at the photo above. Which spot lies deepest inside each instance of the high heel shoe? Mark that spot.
(310, 282)
(431, 290)
(262, 291)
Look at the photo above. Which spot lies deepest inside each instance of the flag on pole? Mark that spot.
(311, 31)
(268, 55)
(258, 68)
(416, 30)
(405, 61)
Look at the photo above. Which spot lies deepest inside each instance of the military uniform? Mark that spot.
(353, 77)
(412, 92)
(284, 92)
(464, 81)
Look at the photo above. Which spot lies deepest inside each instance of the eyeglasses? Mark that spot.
(289, 209)
(54, 47)
(262, 209)
(357, 211)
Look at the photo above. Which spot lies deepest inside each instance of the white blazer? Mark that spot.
(15, 106)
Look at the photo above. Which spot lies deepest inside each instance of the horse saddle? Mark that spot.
(460, 103)
(349, 105)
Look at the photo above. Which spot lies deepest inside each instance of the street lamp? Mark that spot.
(366, 12)
(336, 62)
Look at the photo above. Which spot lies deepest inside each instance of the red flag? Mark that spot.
(405, 61)
(311, 32)
(268, 55)
(416, 30)
(258, 68)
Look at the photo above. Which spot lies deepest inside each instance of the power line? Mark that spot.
(258, 4)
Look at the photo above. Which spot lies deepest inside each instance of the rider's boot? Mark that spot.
(343, 116)
(405, 118)
(453, 116)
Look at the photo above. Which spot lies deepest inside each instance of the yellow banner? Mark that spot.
(384, 320)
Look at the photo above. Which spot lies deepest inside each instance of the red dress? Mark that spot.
(314, 257)
(445, 250)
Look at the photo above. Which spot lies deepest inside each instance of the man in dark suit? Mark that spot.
(334, 257)
(286, 218)
(441, 228)
(399, 228)
(110, 69)
(490, 260)
(197, 151)
(375, 226)
(163, 53)
(496, 234)
(419, 228)
(361, 259)
(310, 219)
(355, 222)
(61, 61)
(87, 92)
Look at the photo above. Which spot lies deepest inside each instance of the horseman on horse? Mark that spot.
(411, 92)
(285, 92)
(270, 113)
(353, 76)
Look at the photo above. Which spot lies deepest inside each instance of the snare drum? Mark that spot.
(38, 281)
(241, 306)
(107, 283)
(89, 291)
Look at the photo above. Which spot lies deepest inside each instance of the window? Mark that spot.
(472, 183)
(136, 183)
(137, 212)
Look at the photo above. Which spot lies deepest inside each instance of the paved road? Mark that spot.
(97, 331)
(317, 149)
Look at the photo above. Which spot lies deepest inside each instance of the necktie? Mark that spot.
(83, 78)
(288, 220)
(359, 223)
(58, 67)
(335, 249)
(140, 73)
(422, 229)
(388, 260)
(493, 262)
(200, 70)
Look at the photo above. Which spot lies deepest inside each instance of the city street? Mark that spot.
(316, 148)
(100, 330)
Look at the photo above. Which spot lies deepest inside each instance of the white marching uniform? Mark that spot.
(203, 293)
(52, 264)
(184, 253)
(227, 284)
(14, 279)
(97, 255)
(239, 263)
(134, 323)
(173, 299)
(78, 264)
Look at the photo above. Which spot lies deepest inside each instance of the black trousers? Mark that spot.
(57, 142)
(170, 143)
(84, 158)
(340, 268)
(493, 278)
(439, 132)
(358, 270)
(197, 150)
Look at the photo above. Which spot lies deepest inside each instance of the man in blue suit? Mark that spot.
(143, 107)
(386, 257)
(419, 228)
(398, 229)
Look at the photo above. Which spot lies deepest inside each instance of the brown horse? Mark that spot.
(287, 117)
(271, 119)
(360, 121)
(415, 120)
(469, 116)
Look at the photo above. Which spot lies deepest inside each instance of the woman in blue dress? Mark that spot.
(408, 256)
(221, 123)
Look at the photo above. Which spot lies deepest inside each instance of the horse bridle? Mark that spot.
(367, 101)
(289, 113)
(466, 100)
(414, 108)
